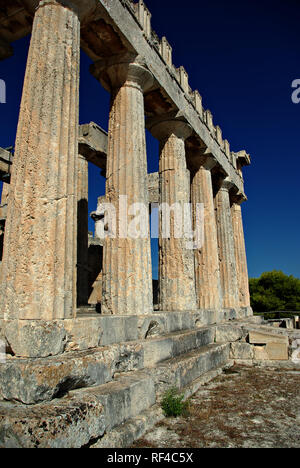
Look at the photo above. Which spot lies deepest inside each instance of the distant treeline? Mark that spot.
(275, 291)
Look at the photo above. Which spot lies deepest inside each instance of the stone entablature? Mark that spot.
(127, 25)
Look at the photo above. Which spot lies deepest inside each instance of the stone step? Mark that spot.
(124, 435)
(161, 349)
(77, 419)
(181, 371)
(32, 381)
(81, 418)
(90, 329)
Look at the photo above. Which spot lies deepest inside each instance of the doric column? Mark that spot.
(82, 230)
(39, 263)
(176, 258)
(208, 285)
(226, 247)
(127, 272)
(4, 195)
(240, 253)
(3, 214)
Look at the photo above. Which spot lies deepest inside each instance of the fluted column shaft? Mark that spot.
(39, 264)
(176, 259)
(4, 195)
(228, 269)
(82, 230)
(127, 271)
(207, 270)
(240, 255)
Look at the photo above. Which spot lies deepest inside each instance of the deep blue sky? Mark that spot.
(242, 57)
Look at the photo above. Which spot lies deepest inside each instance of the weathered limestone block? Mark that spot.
(263, 337)
(176, 257)
(83, 333)
(271, 352)
(160, 349)
(127, 274)
(34, 381)
(277, 351)
(124, 398)
(240, 255)
(189, 367)
(38, 272)
(228, 333)
(65, 423)
(228, 270)
(240, 350)
(92, 144)
(260, 353)
(35, 338)
(276, 345)
(208, 283)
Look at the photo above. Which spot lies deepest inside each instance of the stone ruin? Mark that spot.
(87, 355)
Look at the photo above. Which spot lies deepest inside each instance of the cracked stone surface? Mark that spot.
(176, 259)
(228, 271)
(127, 285)
(38, 268)
(240, 255)
(244, 407)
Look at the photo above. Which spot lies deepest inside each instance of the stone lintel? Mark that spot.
(92, 144)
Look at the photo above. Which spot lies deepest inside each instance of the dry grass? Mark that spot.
(245, 407)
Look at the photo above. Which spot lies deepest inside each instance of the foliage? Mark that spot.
(173, 403)
(275, 291)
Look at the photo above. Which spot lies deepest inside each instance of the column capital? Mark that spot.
(121, 70)
(80, 8)
(163, 127)
(65, 3)
(201, 158)
(239, 198)
(226, 184)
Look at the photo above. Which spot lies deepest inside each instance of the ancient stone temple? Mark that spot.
(88, 352)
